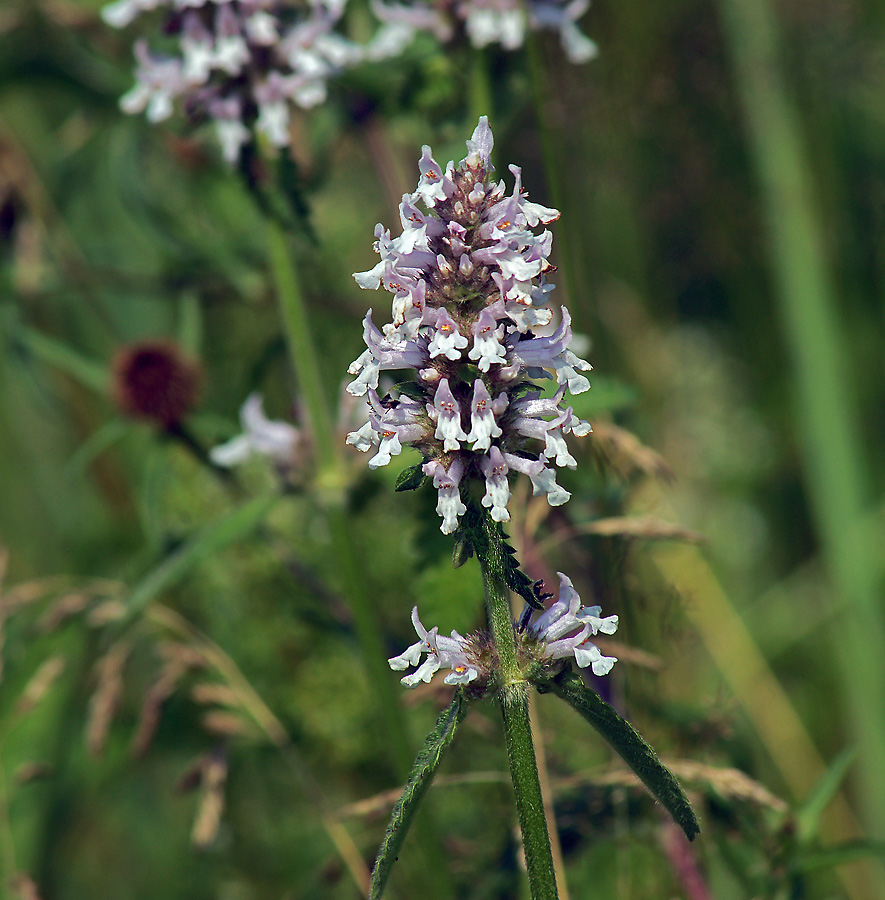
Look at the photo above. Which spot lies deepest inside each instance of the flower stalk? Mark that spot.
(513, 697)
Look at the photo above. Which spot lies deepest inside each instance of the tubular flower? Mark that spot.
(564, 630)
(459, 654)
(560, 633)
(468, 282)
(485, 22)
(240, 63)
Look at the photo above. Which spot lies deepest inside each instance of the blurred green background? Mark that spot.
(720, 169)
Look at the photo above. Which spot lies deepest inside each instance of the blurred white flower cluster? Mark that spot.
(236, 62)
(485, 22)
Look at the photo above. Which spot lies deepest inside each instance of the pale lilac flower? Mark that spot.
(561, 633)
(467, 279)
(240, 63)
(454, 653)
(566, 627)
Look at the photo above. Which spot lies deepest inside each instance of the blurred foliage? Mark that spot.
(221, 742)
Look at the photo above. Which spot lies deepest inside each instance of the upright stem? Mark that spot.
(514, 699)
(302, 350)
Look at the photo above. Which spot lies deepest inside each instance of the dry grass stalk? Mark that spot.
(227, 724)
(39, 683)
(62, 609)
(155, 698)
(210, 692)
(645, 527)
(106, 696)
(728, 783)
(214, 771)
(622, 453)
(24, 887)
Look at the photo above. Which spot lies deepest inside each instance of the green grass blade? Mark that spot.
(809, 814)
(833, 457)
(419, 780)
(630, 746)
(202, 546)
(55, 353)
(830, 857)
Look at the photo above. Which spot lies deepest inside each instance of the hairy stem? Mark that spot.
(513, 697)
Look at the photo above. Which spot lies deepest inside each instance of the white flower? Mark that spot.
(276, 440)
(452, 653)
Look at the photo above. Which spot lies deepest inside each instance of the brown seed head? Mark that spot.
(153, 380)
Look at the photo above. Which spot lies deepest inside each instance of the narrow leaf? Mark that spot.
(190, 323)
(410, 479)
(198, 548)
(462, 551)
(89, 373)
(419, 780)
(808, 815)
(629, 745)
(830, 857)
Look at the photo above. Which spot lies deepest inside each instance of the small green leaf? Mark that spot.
(419, 780)
(462, 551)
(410, 479)
(808, 815)
(411, 389)
(629, 745)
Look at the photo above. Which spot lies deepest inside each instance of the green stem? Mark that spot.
(514, 700)
(480, 87)
(832, 455)
(302, 349)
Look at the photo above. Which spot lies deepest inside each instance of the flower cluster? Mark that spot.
(561, 632)
(240, 63)
(485, 22)
(468, 282)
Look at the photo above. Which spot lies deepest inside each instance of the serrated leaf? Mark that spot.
(410, 479)
(419, 780)
(629, 745)
(808, 815)
(476, 526)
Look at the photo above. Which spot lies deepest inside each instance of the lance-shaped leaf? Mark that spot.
(630, 746)
(419, 780)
